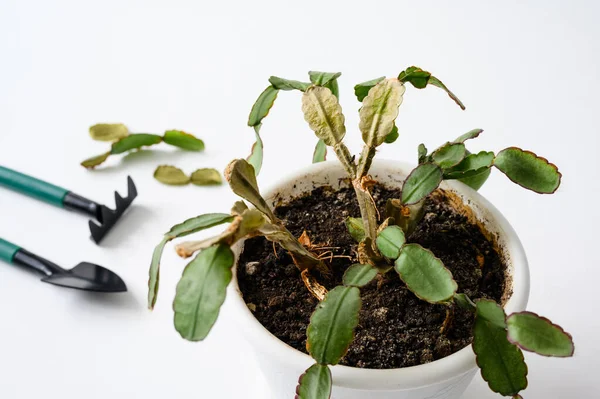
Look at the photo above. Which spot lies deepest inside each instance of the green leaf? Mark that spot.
(438, 83)
(334, 87)
(154, 273)
(206, 177)
(332, 324)
(449, 155)
(392, 136)
(320, 153)
(528, 170)
(198, 223)
(421, 182)
(92, 162)
(242, 180)
(108, 131)
(183, 140)
(315, 383)
(324, 115)
(262, 106)
(471, 165)
(134, 141)
(379, 111)
(502, 364)
(390, 241)
(534, 333)
(425, 275)
(471, 134)
(476, 181)
(256, 154)
(323, 78)
(359, 275)
(361, 90)
(356, 228)
(464, 302)
(201, 292)
(285, 84)
(415, 76)
(422, 153)
(171, 175)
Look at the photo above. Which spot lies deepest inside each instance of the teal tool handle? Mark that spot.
(7, 251)
(32, 187)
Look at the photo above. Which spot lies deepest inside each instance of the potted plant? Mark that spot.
(386, 304)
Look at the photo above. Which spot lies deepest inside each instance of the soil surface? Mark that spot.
(396, 329)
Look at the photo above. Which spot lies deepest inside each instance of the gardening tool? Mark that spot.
(66, 199)
(84, 276)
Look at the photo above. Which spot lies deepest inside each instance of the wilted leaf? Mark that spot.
(390, 241)
(108, 131)
(201, 292)
(332, 324)
(359, 275)
(171, 175)
(534, 333)
(92, 162)
(315, 383)
(379, 111)
(422, 153)
(424, 274)
(421, 182)
(449, 155)
(183, 140)
(438, 83)
(420, 79)
(471, 134)
(528, 170)
(206, 177)
(361, 90)
(256, 154)
(405, 216)
(154, 273)
(262, 106)
(324, 114)
(355, 228)
(323, 78)
(502, 364)
(472, 165)
(242, 180)
(238, 208)
(285, 84)
(392, 136)
(133, 142)
(320, 153)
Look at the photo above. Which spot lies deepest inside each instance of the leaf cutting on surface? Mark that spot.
(320, 153)
(449, 155)
(421, 182)
(359, 275)
(242, 180)
(92, 162)
(379, 111)
(183, 140)
(425, 274)
(206, 177)
(286, 84)
(502, 364)
(171, 175)
(201, 292)
(324, 114)
(108, 131)
(361, 90)
(323, 78)
(390, 241)
(535, 333)
(262, 106)
(256, 154)
(154, 273)
(134, 141)
(331, 328)
(315, 383)
(528, 170)
(356, 228)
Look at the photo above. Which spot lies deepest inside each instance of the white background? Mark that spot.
(528, 74)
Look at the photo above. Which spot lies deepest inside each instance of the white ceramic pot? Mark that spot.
(446, 378)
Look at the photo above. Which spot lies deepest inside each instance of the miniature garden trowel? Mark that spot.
(66, 199)
(84, 276)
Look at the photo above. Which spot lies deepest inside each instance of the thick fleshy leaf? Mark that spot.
(206, 177)
(424, 274)
(420, 79)
(242, 180)
(108, 131)
(359, 275)
(92, 162)
(154, 273)
(421, 182)
(332, 324)
(323, 78)
(390, 241)
(379, 111)
(171, 175)
(449, 155)
(183, 140)
(198, 223)
(256, 154)
(134, 141)
(262, 106)
(334, 87)
(502, 364)
(201, 292)
(324, 115)
(528, 170)
(478, 180)
(471, 134)
(534, 333)
(422, 153)
(315, 383)
(392, 136)
(286, 84)
(472, 165)
(356, 228)
(320, 153)
(361, 90)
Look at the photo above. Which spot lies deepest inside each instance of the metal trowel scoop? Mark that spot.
(84, 276)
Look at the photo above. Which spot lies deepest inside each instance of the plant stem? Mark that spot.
(343, 154)
(365, 161)
(368, 211)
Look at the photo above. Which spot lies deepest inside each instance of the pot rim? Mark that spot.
(452, 366)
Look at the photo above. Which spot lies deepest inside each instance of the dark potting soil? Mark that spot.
(395, 329)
